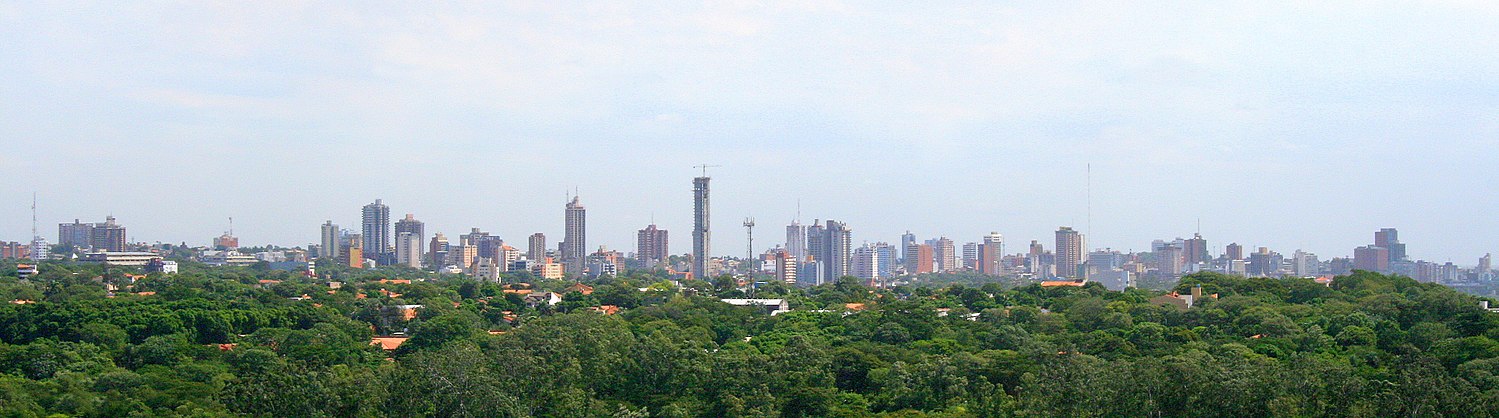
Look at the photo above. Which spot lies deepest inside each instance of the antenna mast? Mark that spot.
(705, 168)
(749, 254)
(33, 216)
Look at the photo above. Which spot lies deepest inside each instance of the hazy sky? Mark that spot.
(1284, 124)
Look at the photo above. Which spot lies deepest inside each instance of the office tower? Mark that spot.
(1234, 251)
(1371, 258)
(817, 239)
(650, 246)
(971, 256)
(1264, 263)
(840, 246)
(1485, 264)
(796, 241)
(1389, 238)
(536, 248)
(907, 241)
(375, 222)
(328, 247)
(786, 266)
(409, 249)
(574, 239)
(990, 253)
(75, 235)
(700, 229)
(437, 251)
(416, 228)
(108, 236)
(865, 264)
(1171, 260)
(1069, 252)
(1195, 250)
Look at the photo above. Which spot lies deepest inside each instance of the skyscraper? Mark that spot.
(328, 247)
(990, 253)
(839, 248)
(1069, 252)
(865, 264)
(700, 228)
(796, 241)
(1195, 250)
(375, 219)
(77, 235)
(1389, 238)
(413, 256)
(1371, 258)
(536, 248)
(574, 239)
(650, 246)
(1234, 251)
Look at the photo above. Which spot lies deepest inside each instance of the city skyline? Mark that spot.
(1283, 125)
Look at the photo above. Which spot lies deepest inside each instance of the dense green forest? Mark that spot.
(255, 342)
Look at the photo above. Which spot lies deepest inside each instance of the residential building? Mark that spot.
(414, 253)
(409, 249)
(990, 253)
(1371, 258)
(651, 246)
(437, 251)
(1069, 253)
(536, 248)
(574, 239)
(328, 247)
(1195, 250)
(375, 228)
(796, 241)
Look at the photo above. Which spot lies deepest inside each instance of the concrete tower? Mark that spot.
(701, 235)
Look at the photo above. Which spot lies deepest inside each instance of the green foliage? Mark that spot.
(214, 342)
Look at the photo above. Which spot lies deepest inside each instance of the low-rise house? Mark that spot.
(549, 298)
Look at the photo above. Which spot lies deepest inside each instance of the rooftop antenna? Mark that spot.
(798, 211)
(705, 168)
(33, 216)
(231, 226)
(1089, 189)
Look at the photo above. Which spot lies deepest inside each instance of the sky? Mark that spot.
(1285, 124)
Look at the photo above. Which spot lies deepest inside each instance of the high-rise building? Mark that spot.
(575, 239)
(1304, 264)
(1371, 258)
(76, 235)
(865, 264)
(375, 222)
(990, 254)
(417, 229)
(328, 247)
(907, 240)
(108, 236)
(1234, 251)
(409, 249)
(796, 241)
(701, 235)
(1195, 250)
(1389, 238)
(971, 256)
(1485, 265)
(817, 240)
(352, 251)
(919, 259)
(786, 266)
(1069, 252)
(886, 256)
(536, 248)
(650, 246)
(946, 254)
(1264, 263)
(437, 251)
(1171, 259)
(840, 249)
